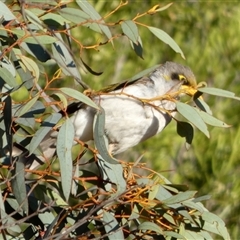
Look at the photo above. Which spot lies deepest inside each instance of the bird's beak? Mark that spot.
(188, 90)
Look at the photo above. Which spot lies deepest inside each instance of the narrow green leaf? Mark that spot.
(64, 146)
(193, 205)
(40, 39)
(191, 235)
(173, 234)
(202, 105)
(110, 168)
(169, 218)
(218, 92)
(8, 77)
(45, 128)
(111, 226)
(94, 15)
(137, 47)
(192, 116)
(18, 184)
(164, 7)
(27, 106)
(217, 225)
(33, 18)
(54, 17)
(150, 226)
(32, 66)
(7, 64)
(6, 12)
(74, 15)
(64, 58)
(143, 73)
(130, 29)
(100, 137)
(163, 36)
(209, 119)
(180, 197)
(79, 96)
(62, 98)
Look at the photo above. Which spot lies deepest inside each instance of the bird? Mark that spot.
(134, 110)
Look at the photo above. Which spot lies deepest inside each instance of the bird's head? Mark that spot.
(174, 77)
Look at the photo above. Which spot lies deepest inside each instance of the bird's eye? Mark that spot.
(179, 77)
(182, 78)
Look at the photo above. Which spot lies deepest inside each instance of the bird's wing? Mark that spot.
(125, 83)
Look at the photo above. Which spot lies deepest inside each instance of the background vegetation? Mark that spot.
(208, 33)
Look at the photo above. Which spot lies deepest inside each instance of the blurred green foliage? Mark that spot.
(208, 33)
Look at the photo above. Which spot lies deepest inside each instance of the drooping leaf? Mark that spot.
(143, 73)
(27, 106)
(64, 58)
(159, 9)
(18, 184)
(33, 18)
(110, 168)
(163, 36)
(62, 98)
(209, 119)
(180, 197)
(50, 17)
(40, 39)
(74, 15)
(150, 226)
(202, 105)
(31, 66)
(218, 92)
(192, 116)
(216, 224)
(111, 226)
(137, 47)
(64, 146)
(8, 65)
(130, 29)
(79, 96)
(94, 15)
(8, 77)
(173, 234)
(5, 12)
(45, 128)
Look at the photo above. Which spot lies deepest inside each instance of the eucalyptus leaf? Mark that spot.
(138, 47)
(130, 29)
(94, 15)
(45, 128)
(192, 116)
(74, 15)
(18, 184)
(8, 77)
(64, 58)
(180, 197)
(40, 39)
(218, 92)
(210, 120)
(163, 36)
(146, 226)
(111, 226)
(64, 146)
(79, 96)
(27, 106)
